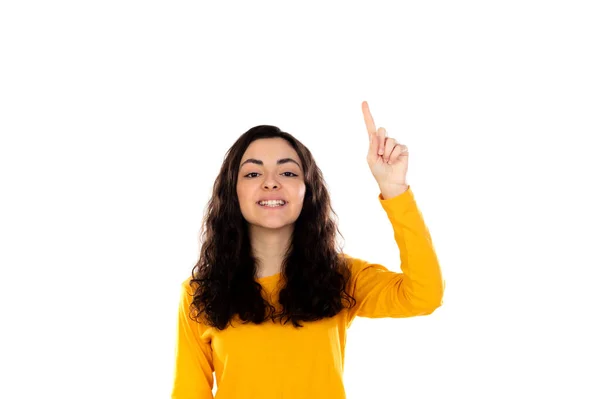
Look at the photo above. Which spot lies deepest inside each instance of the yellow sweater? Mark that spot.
(272, 360)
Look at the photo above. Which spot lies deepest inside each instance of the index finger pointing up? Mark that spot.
(368, 119)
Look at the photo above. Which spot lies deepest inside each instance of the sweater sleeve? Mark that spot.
(419, 288)
(193, 374)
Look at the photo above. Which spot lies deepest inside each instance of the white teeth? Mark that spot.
(272, 203)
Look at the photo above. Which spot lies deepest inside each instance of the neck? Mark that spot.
(269, 247)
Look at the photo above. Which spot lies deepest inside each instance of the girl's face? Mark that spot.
(270, 169)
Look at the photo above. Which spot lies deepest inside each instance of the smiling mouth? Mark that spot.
(272, 206)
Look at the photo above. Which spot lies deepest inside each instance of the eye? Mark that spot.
(255, 173)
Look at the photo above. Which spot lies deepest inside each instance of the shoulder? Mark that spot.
(354, 264)
(188, 287)
(186, 282)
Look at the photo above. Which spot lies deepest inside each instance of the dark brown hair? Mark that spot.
(315, 273)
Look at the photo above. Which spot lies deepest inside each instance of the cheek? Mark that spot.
(244, 196)
(240, 190)
(301, 190)
(240, 196)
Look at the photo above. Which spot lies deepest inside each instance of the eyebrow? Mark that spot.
(279, 162)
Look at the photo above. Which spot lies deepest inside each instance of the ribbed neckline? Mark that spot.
(266, 278)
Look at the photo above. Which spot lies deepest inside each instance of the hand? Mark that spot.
(387, 159)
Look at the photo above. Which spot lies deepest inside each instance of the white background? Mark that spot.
(115, 117)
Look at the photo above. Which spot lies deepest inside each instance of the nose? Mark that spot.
(270, 182)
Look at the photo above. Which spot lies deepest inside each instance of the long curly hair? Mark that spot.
(315, 273)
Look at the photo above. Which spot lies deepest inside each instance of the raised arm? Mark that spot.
(419, 288)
